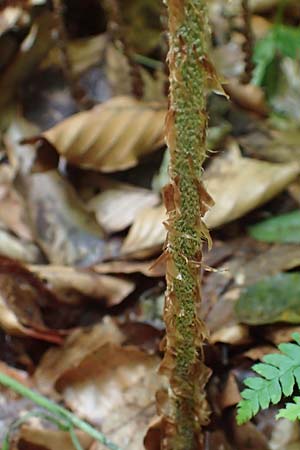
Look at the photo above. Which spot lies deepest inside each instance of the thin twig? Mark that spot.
(248, 44)
(58, 410)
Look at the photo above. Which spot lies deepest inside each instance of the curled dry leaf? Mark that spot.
(147, 233)
(270, 261)
(247, 96)
(15, 248)
(115, 387)
(71, 284)
(118, 204)
(66, 232)
(32, 50)
(152, 268)
(56, 362)
(237, 185)
(36, 437)
(112, 136)
(22, 299)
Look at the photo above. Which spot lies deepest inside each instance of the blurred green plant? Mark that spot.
(281, 41)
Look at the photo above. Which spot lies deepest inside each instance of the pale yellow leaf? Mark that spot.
(238, 185)
(118, 204)
(147, 233)
(112, 136)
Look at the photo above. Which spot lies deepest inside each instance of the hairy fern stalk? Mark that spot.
(278, 375)
(184, 407)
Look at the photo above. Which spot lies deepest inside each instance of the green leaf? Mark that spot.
(255, 383)
(275, 392)
(291, 411)
(283, 229)
(278, 375)
(273, 299)
(291, 350)
(266, 371)
(287, 382)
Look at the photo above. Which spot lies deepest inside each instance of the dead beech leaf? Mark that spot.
(118, 204)
(22, 298)
(112, 136)
(67, 233)
(152, 268)
(277, 258)
(56, 362)
(115, 387)
(70, 284)
(20, 250)
(147, 233)
(49, 439)
(239, 185)
(247, 96)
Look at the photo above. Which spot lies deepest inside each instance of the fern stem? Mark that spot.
(186, 411)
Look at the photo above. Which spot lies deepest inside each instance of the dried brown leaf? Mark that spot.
(15, 248)
(118, 204)
(71, 284)
(37, 437)
(239, 185)
(278, 258)
(247, 96)
(112, 136)
(67, 233)
(148, 268)
(146, 234)
(22, 298)
(56, 362)
(115, 387)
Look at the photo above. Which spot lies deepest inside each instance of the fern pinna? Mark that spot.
(278, 375)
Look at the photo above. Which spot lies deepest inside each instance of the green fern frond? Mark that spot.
(291, 411)
(277, 377)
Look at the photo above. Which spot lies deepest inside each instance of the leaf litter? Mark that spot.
(82, 222)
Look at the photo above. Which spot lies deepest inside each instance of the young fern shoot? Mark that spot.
(278, 375)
